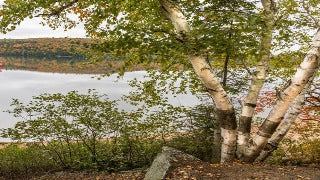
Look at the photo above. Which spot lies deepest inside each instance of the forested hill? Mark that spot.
(42, 47)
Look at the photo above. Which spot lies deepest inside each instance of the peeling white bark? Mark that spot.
(228, 145)
(224, 108)
(177, 18)
(285, 125)
(258, 78)
(208, 77)
(302, 76)
(242, 141)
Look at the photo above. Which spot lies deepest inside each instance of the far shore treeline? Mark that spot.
(44, 48)
(60, 55)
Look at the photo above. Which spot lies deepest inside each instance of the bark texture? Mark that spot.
(285, 125)
(302, 76)
(258, 78)
(216, 147)
(224, 108)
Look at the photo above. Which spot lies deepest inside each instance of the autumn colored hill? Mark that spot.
(44, 48)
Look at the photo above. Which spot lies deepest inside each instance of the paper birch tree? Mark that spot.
(191, 34)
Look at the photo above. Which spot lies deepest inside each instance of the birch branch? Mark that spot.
(285, 125)
(258, 78)
(225, 110)
(303, 75)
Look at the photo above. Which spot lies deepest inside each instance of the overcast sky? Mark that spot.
(30, 28)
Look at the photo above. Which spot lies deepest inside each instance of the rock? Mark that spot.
(163, 162)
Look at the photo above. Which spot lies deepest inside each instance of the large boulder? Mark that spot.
(164, 161)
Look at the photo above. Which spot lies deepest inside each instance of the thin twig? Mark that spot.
(245, 66)
(57, 12)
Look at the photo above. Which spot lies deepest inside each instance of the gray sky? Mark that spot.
(30, 28)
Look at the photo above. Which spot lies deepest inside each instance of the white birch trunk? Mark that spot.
(285, 126)
(258, 78)
(225, 110)
(302, 76)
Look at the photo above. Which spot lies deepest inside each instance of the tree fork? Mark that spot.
(285, 126)
(258, 78)
(303, 75)
(225, 110)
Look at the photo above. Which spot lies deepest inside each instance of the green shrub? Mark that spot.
(195, 143)
(18, 161)
(302, 153)
(21, 161)
(87, 132)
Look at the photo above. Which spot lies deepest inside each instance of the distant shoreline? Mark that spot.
(68, 67)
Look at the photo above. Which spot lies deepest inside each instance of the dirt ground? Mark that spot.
(202, 171)
(130, 175)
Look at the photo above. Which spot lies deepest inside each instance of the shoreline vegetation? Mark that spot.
(67, 66)
(44, 48)
(56, 55)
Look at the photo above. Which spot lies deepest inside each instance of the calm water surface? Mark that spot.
(25, 84)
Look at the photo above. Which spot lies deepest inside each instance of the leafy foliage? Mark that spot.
(18, 161)
(86, 131)
(136, 32)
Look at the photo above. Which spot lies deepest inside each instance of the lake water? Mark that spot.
(25, 84)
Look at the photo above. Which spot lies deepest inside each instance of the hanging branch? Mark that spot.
(57, 12)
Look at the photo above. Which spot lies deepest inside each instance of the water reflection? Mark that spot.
(25, 84)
